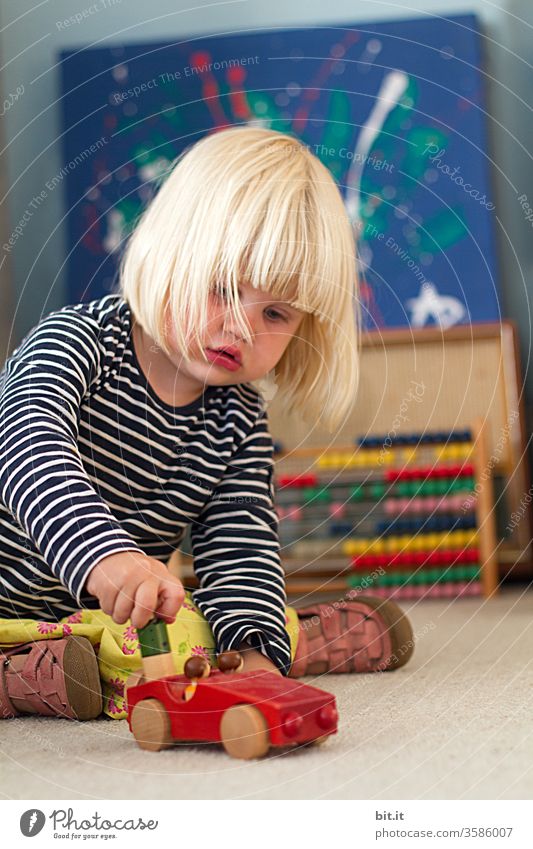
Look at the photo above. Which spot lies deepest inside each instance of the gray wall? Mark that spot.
(31, 38)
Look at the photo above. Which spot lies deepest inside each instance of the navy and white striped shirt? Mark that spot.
(92, 463)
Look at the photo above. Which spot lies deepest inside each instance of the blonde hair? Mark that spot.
(250, 204)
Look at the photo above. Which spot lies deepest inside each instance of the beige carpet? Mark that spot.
(456, 723)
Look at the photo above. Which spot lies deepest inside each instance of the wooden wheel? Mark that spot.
(150, 724)
(319, 740)
(244, 732)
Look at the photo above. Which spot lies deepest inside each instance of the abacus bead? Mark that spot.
(391, 506)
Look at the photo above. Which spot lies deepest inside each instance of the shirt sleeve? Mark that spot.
(43, 482)
(236, 552)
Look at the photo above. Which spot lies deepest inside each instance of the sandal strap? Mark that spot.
(41, 682)
(7, 707)
(335, 644)
(354, 638)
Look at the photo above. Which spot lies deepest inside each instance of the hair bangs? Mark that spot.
(250, 205)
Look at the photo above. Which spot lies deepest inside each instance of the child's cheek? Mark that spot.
(217, 311)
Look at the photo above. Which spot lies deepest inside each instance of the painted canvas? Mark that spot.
(394, 109)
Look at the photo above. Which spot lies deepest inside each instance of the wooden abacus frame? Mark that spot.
(331, 578)
(469, 373)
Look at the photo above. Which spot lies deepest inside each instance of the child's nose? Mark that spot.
(251, 318)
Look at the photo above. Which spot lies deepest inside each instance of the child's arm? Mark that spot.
(42, 479)
(236, 555)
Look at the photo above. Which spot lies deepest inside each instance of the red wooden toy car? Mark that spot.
(248, 712)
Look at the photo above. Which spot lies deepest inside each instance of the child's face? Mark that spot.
(272, 324)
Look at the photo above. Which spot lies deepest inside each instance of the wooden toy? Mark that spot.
(155, 651)
(195, 668)
(422, 392)
(432, 496)
(248, 712)
(230, 661)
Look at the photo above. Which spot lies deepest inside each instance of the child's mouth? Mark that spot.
(223, 358)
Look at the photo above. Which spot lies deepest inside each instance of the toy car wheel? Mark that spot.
(244, 732)
(319, 741)
(150, 724)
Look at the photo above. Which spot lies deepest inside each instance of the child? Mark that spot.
(127, 419)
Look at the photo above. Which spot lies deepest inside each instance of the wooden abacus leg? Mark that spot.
(150, 724)
(244, 732)
(485, 517)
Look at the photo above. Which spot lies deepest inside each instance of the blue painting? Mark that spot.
(394, 109)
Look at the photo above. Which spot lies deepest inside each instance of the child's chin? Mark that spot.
(224, 378)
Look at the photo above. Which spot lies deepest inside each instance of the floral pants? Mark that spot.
(117, 646)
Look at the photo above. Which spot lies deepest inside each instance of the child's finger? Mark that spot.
(124, 603)
(171, 596)
(145, 603)
(106, 599)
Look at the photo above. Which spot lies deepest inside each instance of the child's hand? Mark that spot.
(133, 586)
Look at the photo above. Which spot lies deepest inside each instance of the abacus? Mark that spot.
(448, 379)
(409, 516)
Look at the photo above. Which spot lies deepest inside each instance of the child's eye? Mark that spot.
(274, 315)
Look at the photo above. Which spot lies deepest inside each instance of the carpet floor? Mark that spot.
(455, 723)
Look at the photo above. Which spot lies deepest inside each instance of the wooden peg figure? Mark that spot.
(157, 661)
(230, 661)
(195, 668)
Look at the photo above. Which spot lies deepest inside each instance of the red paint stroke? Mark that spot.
(210, 88)
(238, 100)
(312, 92)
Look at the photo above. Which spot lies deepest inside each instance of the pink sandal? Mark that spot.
(364, 635)
(50, 678)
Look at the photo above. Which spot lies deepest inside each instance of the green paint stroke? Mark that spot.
(442, 230)
(265, 110)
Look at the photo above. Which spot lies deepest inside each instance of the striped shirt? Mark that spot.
(93, 462)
